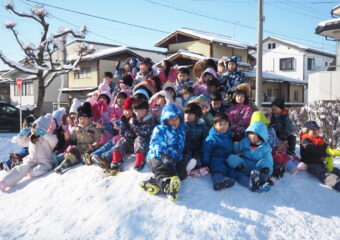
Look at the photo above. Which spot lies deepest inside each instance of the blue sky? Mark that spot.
(293, 20)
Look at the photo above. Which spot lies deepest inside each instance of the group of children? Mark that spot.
(177, 127)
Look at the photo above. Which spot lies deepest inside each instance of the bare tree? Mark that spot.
(38, 60)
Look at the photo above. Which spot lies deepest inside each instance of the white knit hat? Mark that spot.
(75, 104)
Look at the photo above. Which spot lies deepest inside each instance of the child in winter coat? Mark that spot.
(168, 72)
(170, 87)
(216, 149)
(165, 156)
(188, 94)
(182, 80)
(232, 78)
(216, 103)
(205, 105)
(136, 138)
(239, 114)
(158, 101)
(103, 155)
(39, 160)
(195, 133)
(16, 158)
(125, 85)
(256, 156)
(318, 156)
(282, 124)
(84, 139)
(201, 85)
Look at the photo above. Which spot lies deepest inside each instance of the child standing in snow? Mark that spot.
(165, 157)
(103, 155)
(216, 149)
(318, 156)
(183, 80)
(282, 124)
(239, 114)
(195, 133)
(136, 138)
(256, 156)
(84, 139)
(39, 160)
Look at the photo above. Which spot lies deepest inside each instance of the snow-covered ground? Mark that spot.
(85, 204)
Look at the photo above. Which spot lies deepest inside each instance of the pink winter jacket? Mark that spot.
(239, 117)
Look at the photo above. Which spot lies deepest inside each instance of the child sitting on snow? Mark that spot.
(166, 153)
(136, 138)
(195, 133)
(39, 160)
(103, 155)
(256, 156)
(318, 156)
(16, 158)
(216, 149)
(84, 139)
(158, 101)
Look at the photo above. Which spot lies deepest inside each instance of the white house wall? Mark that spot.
(324, 86)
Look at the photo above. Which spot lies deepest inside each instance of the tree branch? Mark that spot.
(17, 66)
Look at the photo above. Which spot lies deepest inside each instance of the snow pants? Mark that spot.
(331, 179)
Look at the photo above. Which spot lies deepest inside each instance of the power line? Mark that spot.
(225, 21)
(99, 17)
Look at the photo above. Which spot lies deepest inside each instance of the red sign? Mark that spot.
(19, 83)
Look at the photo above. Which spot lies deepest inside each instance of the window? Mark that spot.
(83, 73)
(269, 46)
(326, 64)
(296, 95)
(310, 64)
(269, 92)
(274, 45)
(276, 93)
(8, 110)
(287, 63)
(26, 89)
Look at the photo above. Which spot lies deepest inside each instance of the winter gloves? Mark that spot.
(24, 132)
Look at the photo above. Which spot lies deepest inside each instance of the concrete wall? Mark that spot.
(91, 81)
(324, 86)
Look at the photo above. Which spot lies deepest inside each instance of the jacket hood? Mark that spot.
(43, 123)
(170, 111)
(259, 117)
(260, 129)
(108, 95)
(211, 71)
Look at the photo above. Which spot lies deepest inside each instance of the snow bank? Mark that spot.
(85, 204)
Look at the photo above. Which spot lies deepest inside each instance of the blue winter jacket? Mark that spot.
(260, 157)
(217, 146)
(165, 139)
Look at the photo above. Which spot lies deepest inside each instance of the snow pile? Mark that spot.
(85, 204)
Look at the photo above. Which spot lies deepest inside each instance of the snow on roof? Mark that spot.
(276, 77)
(212, 37)
(302, 46)
(27, 106)
(78, 89)
(336, 10)
(329, 22)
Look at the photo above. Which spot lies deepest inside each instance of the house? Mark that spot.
(325, 85)
(93, 66)
(4, 87)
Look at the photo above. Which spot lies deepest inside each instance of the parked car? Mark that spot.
(10, 117)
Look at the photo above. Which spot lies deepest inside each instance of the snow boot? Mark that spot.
(199, 172)
(86, 159)
(99, 161)
(221, 182)
(63, 166)
(150, 186)
(279, 170)
(116, 163)
(191, 165)
(7, 166)
(139, 162)
(254, 182)
(171, 187)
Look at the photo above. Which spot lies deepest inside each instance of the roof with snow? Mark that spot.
(186, 34)
(301, 46)
(268, 76)
(329, 28)
(336, 11)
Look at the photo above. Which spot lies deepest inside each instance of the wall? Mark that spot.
(91, 81)
(220, 50)
(324, 86)
(198, 47)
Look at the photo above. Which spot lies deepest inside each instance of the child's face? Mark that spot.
(221, 68)
(120, 101)
(127, 113)
(206, 77)
(144, 67)
(239, 98)
(185, 94)
(161, 100)
(189, 117)
(174, 122)
(231, 66)
(276, 110)
(216, 104)
(84, 121)
(140, 113)
(211, 89)
(221, 126)
(122, 85)
(253, 137)
(127, 67)
(103, 99)
(182, 77)
(314, 132)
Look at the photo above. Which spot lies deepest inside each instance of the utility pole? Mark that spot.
(62, 60)
(258, 97)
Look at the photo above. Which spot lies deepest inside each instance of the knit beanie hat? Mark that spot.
(278, 102)
(75, 104)
(127, 80)
(85, 110)
(128, 103)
